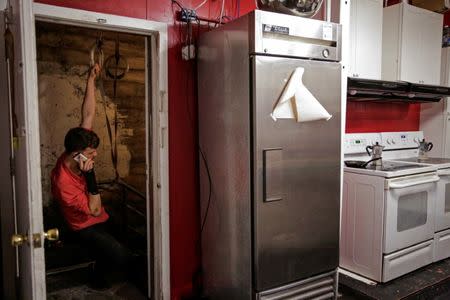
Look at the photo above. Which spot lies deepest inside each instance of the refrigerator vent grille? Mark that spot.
(317, 288)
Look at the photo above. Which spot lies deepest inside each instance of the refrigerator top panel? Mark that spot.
(285, 35)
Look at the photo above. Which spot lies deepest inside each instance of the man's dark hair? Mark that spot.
(79, 138)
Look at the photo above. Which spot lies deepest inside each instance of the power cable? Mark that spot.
(238, 8)
(208, 203)
(200, 5)
(177, 3)
(221, 13)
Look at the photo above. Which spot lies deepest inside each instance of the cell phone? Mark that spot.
(79, 156)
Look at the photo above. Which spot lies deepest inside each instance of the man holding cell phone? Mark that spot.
(74, 186)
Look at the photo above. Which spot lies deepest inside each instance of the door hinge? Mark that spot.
(8, 14)
(12, 166)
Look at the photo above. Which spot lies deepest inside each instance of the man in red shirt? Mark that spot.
(75, 188)
(81, 208)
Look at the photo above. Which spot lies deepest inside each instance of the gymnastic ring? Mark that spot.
(96, 49)
(118, 76)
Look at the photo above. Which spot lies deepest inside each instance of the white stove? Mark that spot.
(388, 212)
(442, 202)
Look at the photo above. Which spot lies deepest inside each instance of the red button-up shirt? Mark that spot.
(70, 190)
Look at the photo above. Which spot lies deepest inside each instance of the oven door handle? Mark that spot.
(443, 172)
(398, 185)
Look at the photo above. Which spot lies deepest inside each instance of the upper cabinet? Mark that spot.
(412, 40)
(366, 24)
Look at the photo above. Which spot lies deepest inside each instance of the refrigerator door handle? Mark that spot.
(273, 174)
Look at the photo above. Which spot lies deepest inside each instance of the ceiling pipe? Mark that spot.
(328, 13)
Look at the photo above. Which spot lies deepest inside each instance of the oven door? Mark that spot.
(410, 207)
(443, 201)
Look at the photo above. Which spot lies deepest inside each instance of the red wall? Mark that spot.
(184, 205)
(377, 117)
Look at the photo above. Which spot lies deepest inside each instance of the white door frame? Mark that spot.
(159, 151)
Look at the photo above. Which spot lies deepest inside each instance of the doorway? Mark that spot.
(63, 58)
(146, 185)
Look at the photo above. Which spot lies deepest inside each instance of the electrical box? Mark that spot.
(439, 6)
(188, 52)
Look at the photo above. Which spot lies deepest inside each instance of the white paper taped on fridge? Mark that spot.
(297, 102)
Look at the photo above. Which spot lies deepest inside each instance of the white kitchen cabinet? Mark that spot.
(366, 26)
(445, 105)
(412, 40)
(435, 117)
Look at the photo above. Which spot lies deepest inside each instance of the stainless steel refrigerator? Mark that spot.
(269, 189)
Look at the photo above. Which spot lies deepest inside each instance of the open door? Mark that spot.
(22, 206)
(8, 258)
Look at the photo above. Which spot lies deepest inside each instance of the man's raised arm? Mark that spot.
(88, 107)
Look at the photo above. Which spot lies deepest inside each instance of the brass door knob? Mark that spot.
(18, 239)
(52, 234)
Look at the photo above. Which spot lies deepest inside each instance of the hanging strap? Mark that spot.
(117, 56)
(113, 144)
(97, 48)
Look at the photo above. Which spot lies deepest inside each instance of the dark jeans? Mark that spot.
(108, 252)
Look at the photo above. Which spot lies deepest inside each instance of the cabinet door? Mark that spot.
(366, 25)
(352, 72)
(420, 46)
(411, 66)
(431, 41)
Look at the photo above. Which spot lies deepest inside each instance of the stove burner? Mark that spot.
(388, 166)
(393, 166)
(427, 160)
